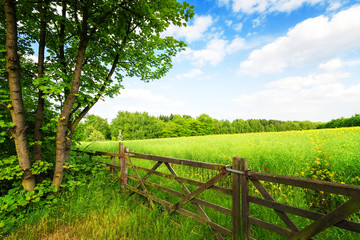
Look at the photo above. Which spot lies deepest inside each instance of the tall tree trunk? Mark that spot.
(38, 134)
(62, 127)
(61, 134)
(17, 108)
(62, 46)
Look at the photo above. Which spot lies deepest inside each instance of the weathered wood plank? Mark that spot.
(197, 206)
(123, 164)
(112, 170)
(271, 227)
(204, 203)
(202, 188)
(148, 174)
(245, 209)
(187, 213)
(142, 184)
(337, 188)
(344, 224)
(328, 220)
(186, 180)
(191, 163)
(98, 153)
(286, 219)
(236, 197)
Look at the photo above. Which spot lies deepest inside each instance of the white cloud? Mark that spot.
(266, 6)
(313, 96)
(333, 64)
(238, 27)
(214, 53)
(192, 32)
(247, 6)
(228, 23)
(192, 74)
(290, 5)
(256, 22)
(311, 41)
(236, 45)
(334, 6)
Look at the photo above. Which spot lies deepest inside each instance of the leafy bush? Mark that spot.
(16, 203)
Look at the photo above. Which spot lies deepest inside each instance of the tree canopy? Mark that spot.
(85, 49)
(129, 126)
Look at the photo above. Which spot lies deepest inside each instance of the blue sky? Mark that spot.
(268, 59)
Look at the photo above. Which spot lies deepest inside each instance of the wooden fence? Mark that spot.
(240, 212)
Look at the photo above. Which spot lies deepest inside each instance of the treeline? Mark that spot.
(130, 126)
(342, 122)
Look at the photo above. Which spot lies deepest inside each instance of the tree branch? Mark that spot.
(97, 97)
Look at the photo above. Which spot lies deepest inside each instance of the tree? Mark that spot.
(98, 123)
(136, 126)
(87, 43)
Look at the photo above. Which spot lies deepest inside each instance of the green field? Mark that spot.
(99, 210)
(287, 153)
(329, 154)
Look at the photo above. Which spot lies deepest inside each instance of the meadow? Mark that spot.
(286, 153)
(99, 210)
(327, 154)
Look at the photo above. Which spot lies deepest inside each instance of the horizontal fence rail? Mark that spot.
(242, 178)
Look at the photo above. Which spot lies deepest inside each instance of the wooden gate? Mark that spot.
(321, 222)
(242, 177)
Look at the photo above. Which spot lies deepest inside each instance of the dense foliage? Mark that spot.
(342, 122)
(84, 50)
(128, 126)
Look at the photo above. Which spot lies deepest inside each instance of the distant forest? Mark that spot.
(342, 122)
(130, 126)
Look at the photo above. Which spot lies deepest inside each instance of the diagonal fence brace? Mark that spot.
(197, 206)
(201, 189)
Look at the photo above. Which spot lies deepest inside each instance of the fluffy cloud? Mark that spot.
(249, 6)
(290, 5)
(264, 6)
(312, 95)
(309, 42)
(333, 64)
(192, 74)
(238, 27)
(192, 32)
(214, 53)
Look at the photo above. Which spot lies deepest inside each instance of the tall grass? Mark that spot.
(99, 210)
(286, 153)
(295, 153)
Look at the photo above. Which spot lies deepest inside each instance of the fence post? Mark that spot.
(245, 210)
(121, 149)
(123, 164)
(236, 200)
(112, 170)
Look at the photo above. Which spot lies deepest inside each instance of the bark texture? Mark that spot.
(17, 105)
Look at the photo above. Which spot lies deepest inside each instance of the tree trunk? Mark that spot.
(38, 135)
(68, 145)
(62, 129)
(17, 105)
